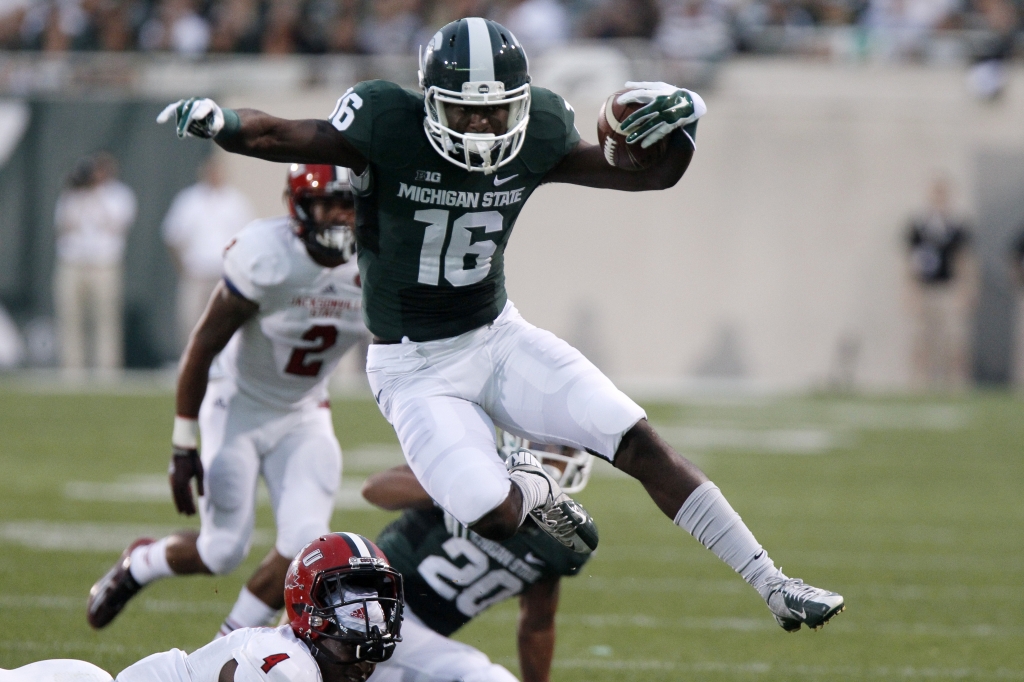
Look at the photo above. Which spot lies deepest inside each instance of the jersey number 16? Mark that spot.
(461, 245)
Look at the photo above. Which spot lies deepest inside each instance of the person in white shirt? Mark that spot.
(344, 616)
(92, 220)
(288, 308)
(201, 221)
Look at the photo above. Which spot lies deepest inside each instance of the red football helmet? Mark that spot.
(311, 182)
(341, 586)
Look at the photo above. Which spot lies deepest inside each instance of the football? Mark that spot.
(617, 153)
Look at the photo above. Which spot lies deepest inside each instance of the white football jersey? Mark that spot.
(309, 316)
(263, 655)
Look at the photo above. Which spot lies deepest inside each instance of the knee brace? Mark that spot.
(222, 551)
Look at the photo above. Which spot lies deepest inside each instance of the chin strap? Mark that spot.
(321, 655)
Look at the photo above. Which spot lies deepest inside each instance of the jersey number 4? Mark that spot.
(298, 364)
(472, 586)
(272, 660)
(457, 271)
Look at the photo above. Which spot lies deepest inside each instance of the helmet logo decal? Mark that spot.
(272, 660)
(315, 555)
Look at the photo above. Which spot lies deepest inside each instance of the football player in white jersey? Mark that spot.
(278, 323)
(344, 609)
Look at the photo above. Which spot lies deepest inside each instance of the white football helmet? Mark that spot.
(569, 467)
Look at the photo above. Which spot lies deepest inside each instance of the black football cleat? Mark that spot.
(111, 592)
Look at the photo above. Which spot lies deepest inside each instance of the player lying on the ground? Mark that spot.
(344, 609)
(449, 579)
(56, 670)
(443, 177)
(285, 312)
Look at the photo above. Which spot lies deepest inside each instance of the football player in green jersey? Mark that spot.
(451, 575)
(442, 175)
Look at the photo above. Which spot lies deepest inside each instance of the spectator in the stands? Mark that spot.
(622, 19)
(344, 28)
(900, 29)
(175, 26)
(281, 27)
(12, 18)
(997, 21)
(538, 24)
(390, 27)
(235, 26)
(694, 29)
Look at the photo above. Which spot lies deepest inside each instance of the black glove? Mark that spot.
(185, 465)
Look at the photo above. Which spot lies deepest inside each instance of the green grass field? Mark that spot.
(912, 508)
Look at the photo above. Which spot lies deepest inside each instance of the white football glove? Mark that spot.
(194, 117)
(667, 108)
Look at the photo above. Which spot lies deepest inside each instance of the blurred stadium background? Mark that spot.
(761, 310)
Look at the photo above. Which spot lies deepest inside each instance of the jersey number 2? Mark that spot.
(297, 364)
(460, 246)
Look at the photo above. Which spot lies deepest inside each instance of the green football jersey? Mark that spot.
(432, 235)
(449, 580)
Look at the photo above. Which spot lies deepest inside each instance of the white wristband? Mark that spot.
(185, 434)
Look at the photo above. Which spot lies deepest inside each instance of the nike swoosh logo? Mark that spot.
(758, 555)
(499, 182)
(531, 559)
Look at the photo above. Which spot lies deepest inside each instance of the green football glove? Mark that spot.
(667, 108)
(194, 117)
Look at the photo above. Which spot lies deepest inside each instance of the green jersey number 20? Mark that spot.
(460, 246)
(473, 586)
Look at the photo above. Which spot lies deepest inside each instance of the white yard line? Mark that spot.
(775, 671)
(92, 537)
(153, 488)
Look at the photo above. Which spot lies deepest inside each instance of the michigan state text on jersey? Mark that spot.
(432, 266)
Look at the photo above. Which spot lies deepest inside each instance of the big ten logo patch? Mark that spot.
(428, 176)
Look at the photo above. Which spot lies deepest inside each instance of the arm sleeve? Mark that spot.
(353, 117)
(252, 266)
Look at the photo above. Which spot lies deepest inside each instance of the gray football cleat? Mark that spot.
(794, 603)
(561, 517)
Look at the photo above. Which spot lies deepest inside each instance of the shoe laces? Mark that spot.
(795, 588)
(557, 521)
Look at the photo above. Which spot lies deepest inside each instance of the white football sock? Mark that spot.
(249, 611)
(708, 516)
(149, 562)
(535, 490)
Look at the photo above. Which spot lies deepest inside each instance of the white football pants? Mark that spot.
(425, 656)
(445, 397)
(295, 451)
